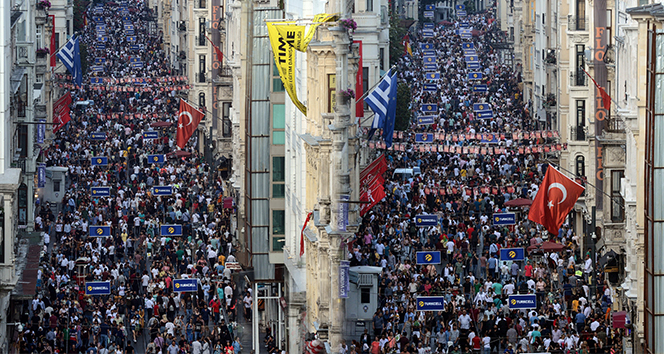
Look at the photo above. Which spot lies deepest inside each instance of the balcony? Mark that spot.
(577, 133)
(615, 125)
(528, 76)
(578, 79)
(182, 26)
(550, 102)
(550, 57)
(40, 111)
(41, 16)
(224, 77)
(577, 24)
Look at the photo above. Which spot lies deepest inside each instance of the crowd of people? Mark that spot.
(573, 301)
(143, 313)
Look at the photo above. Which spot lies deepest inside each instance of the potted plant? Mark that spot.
(41, 52)
(346, 95)
(348, 23)
(44, 4)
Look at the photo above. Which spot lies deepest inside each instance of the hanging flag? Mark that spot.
(217, 51)
(70, 56)
(383, 101)
(188, 119)
(306, 221)
(61, 112)
(53, 48)
(606, 99)
(41, 175)
(372, 196)
(377, 167)
(284, 59)
(41, 131)
(554, 200)
(406, 45)
(359, 85)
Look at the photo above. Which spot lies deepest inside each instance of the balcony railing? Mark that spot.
(578, 79)
(577, 133)
(577, 23)
(615, 125)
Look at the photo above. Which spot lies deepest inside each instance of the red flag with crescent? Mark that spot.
(554, 200)
(188, 119)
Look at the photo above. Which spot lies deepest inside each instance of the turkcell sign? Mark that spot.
(163, 190)
(460, 7)
(428, 25)
(512, 254)
(171, 230)
(428, 14)
(426, 220)
(428, 53)
(430, 108)
(185, 285)
(428, 7)
(101, 46)
(100, 231)
(471, 59)
(430, 303)
(159, 158)
(473, 66)
(151, 135)
(424, 137)
(97, 136)
(430, 88)
(99, 161)
(98, 288)
(100, 191)
(522, 302)
(428, 257)
(468, 45)
(425, 120)
(484, 114)
(481, 107)
(430, 67)
(429, 60)
(464, 25)
(480, 88)
(469, 52)
(504, 219)
(425, 46)
(475, 76)
(461, 13)
(344, 279)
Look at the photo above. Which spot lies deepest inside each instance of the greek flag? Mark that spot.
(70, 56)
(383, 101)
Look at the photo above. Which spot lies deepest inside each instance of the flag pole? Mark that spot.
(374, 86)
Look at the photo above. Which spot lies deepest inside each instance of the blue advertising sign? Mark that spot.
(342, 213)
(468, 45)
(471, 59)
(430, 67)
(423, 138)
(185, 285)
(344, 279)
(428, 53)
(464, 25)
(100, 191)
(41, 131)
(480, 88)
(430, 303)
(504, 219)
(159, 158)
(428, 25)
(97, 19)
(96, 81)
(428, 7)
(428, 14)
(426, 220)
(432, 76)
(473, 66)
(96, 68)
(427, 33)
(101, 46)
(429, 60)
(430, 88)
(428, 257)
(461, 14)
(430, 108)
(137, 64)
(162, 190)
(522, 302)
(41, 176)
(102, 39)
(460, 7)
(465, 32)
(475, 76)
(484, 114)
(151, 135)
(133, 47)
(469, 52)
(98, 288)
(99, 161)
(131, 38)
(170, 230)
(98, 136)
(425, 120)
(100, 231)
(425, 46)
(100, 61)
(512, 254)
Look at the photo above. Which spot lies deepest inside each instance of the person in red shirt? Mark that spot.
(477, 344)
(216, 305)
(375, 346)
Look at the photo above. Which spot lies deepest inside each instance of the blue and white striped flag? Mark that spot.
(70, 56)
(383, 101)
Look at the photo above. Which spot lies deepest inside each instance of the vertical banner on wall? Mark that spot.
(601, 112)
(344, 280)
(41, 131)
(41, 176)
(359, 85)
(217, 62)
(342, 213)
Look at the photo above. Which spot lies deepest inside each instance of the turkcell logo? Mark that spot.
(171, 230)
(517, 302)
(504, 219)
(100, 191)
(185, 285)
(164, 190)
(100, 231)
(430, 303)
(512, 254)
(98, 288)
(150, 135)
(426, 220)
(428, 257)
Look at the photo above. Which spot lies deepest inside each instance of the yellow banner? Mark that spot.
(284, 57)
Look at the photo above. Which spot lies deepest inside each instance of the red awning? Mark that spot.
(161, 124)
(619, 319)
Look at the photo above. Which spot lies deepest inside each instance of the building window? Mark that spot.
(57, 40)
(617, 201)
(201, 31)
(365, 84)
(365, 295)
(278, 222)
(580, 166)
(278, 169)
(580, 15)
(277, 84)
(39, 37)
(369, 5)
(202, 4)
(227, 125)
(201, 68)
(331, 92)
(68, 30)
(201, 100)
(579, 132)
(278, 124)
(381, 59)
(609, 27)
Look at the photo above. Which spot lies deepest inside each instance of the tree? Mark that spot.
(79, 11)
(83, 49)
(403, 113)
(397, 31)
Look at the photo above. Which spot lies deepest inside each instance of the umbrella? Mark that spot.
(475, 33)
(446, 23)
(179, 153)
(519, 202)
(547, 246)
(161, 124)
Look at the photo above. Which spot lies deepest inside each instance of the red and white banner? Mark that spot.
(61, 111)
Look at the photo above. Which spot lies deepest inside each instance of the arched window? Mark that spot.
(201, 99)
(580, 166)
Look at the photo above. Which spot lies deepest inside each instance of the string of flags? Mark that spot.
(128, 88)
(488, 137)
(130, 80)
(437, 190)
(465, 150)
(128, 116)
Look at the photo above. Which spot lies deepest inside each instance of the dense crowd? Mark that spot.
(142, 314)
(573, 301)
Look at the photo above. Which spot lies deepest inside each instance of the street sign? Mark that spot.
(162, 190)
(98, 288)
(100, 231)
(100, 191)
(99, 161)
(171, 230)
(428, 257)
(522, 302)
(504, 219)
(512, 254)
(430, 303)
(426, 220)
(185, 285)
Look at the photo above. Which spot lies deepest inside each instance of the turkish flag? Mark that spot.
(373, 196)
(554, 200)
(61, 111)
(188, 119)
